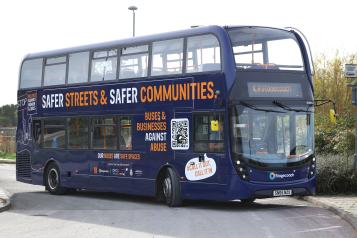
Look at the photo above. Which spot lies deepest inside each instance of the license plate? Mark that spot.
(279, 193)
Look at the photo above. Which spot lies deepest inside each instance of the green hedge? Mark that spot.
(335, 174)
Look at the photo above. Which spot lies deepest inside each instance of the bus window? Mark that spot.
(31, 73)
(134, 62)
(208, 138)
(78, 133)
(55, 71)
(104, 65)
(54, 133)
(167, 57)
(203, 54)
(125, 136)
(105, 134)
(36, 131)
(261, 48)
(78, 67)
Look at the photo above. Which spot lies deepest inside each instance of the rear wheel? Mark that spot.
(171, 188)
(53, 180)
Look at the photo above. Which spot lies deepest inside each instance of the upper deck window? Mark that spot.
(31, 73)
(134, 62)
(55, 71)
(78, 67)
(104, 65)
(261, 48)
(203, 54)
(167, 57)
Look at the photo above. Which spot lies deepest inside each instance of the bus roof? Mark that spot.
(217, 30)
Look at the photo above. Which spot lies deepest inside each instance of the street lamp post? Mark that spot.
(133, 8)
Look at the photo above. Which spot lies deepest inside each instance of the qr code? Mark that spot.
(180, 138)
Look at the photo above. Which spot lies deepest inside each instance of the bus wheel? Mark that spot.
(53, 181)
(171, 188)
(247, 202)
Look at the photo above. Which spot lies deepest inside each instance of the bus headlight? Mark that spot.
(312, 168)
(241, 169)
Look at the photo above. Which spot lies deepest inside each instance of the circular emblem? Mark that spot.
(272, 175)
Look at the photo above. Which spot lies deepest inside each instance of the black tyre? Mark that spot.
(247, 202)
(171, 188)
(53, 180)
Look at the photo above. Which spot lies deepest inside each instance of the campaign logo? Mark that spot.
(274, 175)
(197, 170)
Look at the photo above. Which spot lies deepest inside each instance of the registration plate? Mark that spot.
(279, 193)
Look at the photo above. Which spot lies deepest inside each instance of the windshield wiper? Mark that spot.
(257, 108)
(289, 108)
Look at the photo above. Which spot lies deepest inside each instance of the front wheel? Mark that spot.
(53, 180)
(171, 188)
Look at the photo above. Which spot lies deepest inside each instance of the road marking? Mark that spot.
(307, 216)
(320, 229)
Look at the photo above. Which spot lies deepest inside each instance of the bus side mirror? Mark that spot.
(214, 125)
(332, 116)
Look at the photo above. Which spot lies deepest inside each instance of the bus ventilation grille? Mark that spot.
(23, 164)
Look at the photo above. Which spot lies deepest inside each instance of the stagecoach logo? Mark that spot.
(273, 175)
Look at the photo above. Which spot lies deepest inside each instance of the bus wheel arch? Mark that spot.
(45, 168)
(168, 187)
(52, 178)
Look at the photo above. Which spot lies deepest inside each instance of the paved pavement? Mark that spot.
(7, 161)
(35, 213)
(4, 200)
(344, 206)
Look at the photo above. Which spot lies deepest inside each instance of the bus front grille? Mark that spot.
(23, 164)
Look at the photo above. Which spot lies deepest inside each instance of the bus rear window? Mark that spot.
(31, 73)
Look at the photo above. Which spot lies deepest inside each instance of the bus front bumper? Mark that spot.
(240, 189)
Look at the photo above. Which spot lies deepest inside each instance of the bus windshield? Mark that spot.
(269, 135)
(260, 48)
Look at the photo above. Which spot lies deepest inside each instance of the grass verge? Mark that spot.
(7, 155)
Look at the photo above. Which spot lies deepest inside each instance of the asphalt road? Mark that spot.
(35, 213)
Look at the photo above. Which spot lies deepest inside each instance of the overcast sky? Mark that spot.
(41, 25)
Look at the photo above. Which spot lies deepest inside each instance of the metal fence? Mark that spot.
(8, 139)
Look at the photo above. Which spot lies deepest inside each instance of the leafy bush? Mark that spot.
(335, 138)
(335, 174)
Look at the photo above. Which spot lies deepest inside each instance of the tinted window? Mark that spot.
(105, 133)
(104, 65)
(55, 71)
(37, 132)
(209, 133)
(125, 130)
(78, 133)
(54, 133)
(134, 62)
(78, 67)
(167, 57)
(203, 54)
(31, 73)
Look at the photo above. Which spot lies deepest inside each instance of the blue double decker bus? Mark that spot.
(211, 113)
